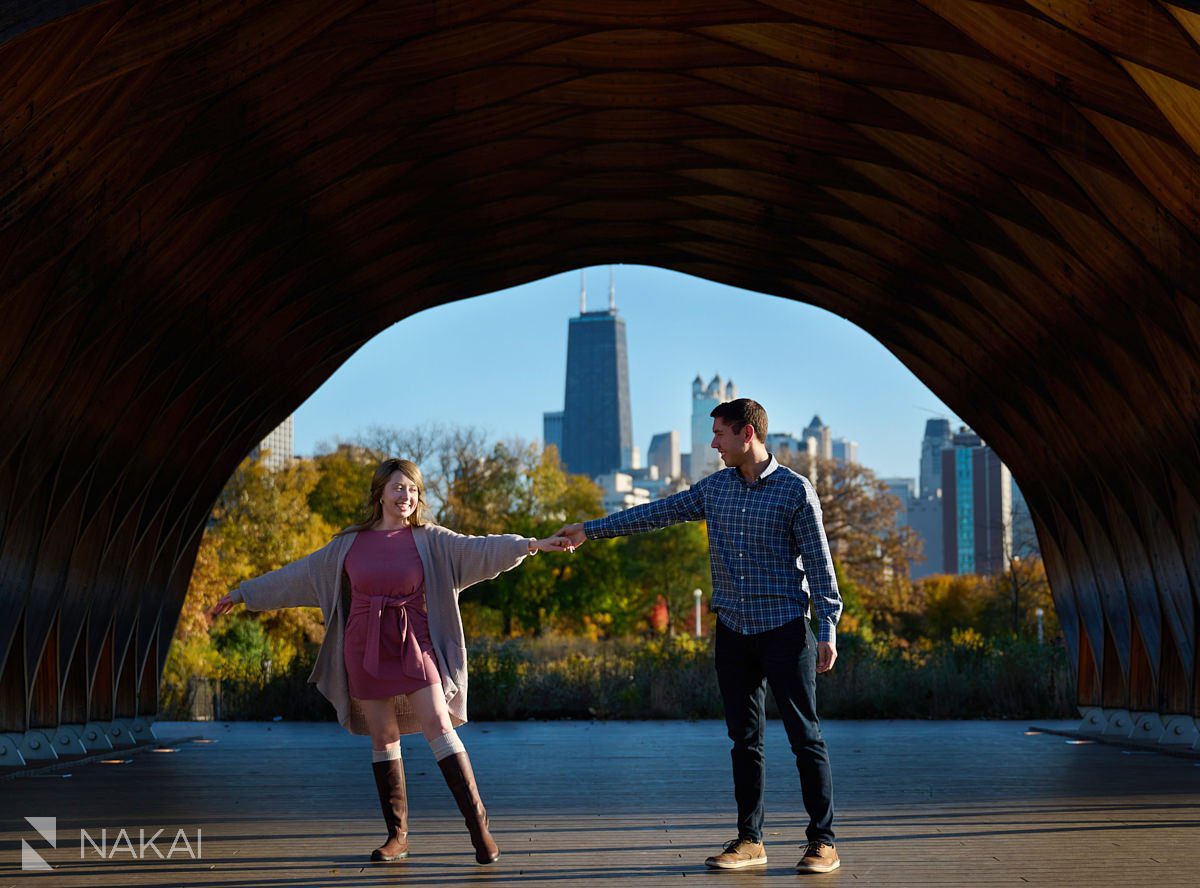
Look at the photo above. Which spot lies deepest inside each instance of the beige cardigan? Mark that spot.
(451, 562)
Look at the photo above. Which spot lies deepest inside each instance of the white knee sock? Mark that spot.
(387, 754)
(446, 745)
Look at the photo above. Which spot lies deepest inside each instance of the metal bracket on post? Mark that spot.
(1120, 723)
(10, 751)
(120, 734)
(94, 737)
(1094, 720)
(1180, 730)
(34, 746)
(67, 740)
(143, 729)
(1147, 727)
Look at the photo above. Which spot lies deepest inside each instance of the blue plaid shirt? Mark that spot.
(766, 544)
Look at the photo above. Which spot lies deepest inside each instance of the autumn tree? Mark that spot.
(343, 483)
(949, 602)
(672, 563)
(261, 521)
(595, 597)
(1025, 586)
(861, 519)
(520, 488)
(1017, 593)
(943, 603)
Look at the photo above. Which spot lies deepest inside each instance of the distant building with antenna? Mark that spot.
(596, 422)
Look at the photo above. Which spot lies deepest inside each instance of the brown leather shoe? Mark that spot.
(737, 854)
(461, 780)
(819, 857)
(389, 782)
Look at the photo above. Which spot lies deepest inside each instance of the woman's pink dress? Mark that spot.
(387, 645)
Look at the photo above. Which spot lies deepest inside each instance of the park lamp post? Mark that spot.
(1039, 612)
(697, 593)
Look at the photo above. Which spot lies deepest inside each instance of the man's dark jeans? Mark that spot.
(786, 659)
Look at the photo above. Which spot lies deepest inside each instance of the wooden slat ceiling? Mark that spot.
(205, 207)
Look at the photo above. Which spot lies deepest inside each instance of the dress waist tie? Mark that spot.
(412, 663)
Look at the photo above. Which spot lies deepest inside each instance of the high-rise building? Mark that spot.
(277, 450)
(796, 452)
(552, 430)
(705, 398)
(937, 439)
(597, 430)
(903, 489)
(819, 432)
(976, 507)
(925, 519)
(844, 450)
(925, 513)
(664, 454)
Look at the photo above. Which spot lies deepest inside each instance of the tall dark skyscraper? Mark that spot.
(925, 510)
(597, 431)
(937, 438)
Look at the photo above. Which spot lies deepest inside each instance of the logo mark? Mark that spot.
(47, 828)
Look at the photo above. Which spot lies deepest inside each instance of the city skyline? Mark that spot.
(509, 361)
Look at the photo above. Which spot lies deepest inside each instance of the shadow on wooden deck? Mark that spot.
(577, 804)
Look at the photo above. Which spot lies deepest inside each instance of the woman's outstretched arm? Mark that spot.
(290, 586)
(474, 559)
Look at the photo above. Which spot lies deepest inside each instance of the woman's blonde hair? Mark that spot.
(373, 507)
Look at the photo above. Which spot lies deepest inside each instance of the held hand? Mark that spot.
(551, 544)
(826, 655)
(224, 606)
(574, 534)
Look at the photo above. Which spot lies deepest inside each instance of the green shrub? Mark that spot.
(964, 677)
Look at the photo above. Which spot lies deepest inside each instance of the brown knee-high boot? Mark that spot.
(461, 780)
(389, 780)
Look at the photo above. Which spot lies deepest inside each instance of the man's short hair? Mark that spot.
(741, 413)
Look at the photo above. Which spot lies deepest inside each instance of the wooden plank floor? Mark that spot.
(636, 803)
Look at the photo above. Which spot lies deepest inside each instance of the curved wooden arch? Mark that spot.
(205, 207)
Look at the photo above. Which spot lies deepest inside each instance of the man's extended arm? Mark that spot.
(687, 505)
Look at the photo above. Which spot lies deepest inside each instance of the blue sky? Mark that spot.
(499, 361)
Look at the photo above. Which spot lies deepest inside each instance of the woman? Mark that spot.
(394, 660)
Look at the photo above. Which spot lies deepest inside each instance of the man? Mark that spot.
(770, 563)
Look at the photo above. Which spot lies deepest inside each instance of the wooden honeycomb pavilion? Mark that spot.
(205, 207)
